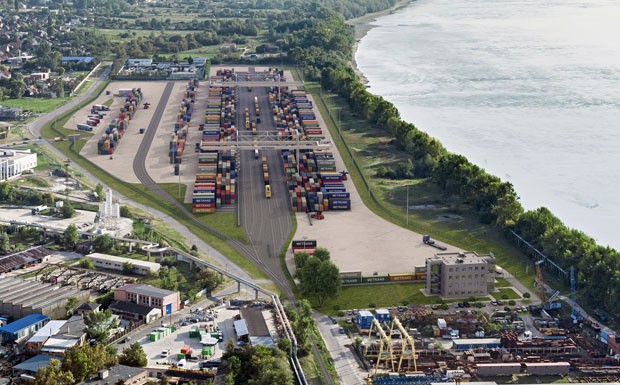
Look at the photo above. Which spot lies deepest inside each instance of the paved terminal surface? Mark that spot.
(359, 240)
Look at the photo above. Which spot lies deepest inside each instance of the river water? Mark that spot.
(529, 90)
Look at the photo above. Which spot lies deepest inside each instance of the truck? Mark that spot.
(267, 191)
(428, 241)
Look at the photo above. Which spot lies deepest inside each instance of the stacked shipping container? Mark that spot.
(108, 143)
(181, 127)
(317, 186)
(215, 181)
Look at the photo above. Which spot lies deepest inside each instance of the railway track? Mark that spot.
(272, 270)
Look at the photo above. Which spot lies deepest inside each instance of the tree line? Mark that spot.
(320, 39)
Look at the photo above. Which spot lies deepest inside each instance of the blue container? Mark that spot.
(364, 319)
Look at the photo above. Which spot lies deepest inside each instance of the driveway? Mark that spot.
(348, 369)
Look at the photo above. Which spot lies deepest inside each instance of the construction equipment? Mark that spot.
(428, 241)
(344, 174)
(146, 106)
(574, 314)
(547, 303)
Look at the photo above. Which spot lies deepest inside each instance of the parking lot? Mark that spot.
(221, 319)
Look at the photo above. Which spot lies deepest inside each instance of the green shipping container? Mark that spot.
(180, 356)
(376, 279)
(206, 351)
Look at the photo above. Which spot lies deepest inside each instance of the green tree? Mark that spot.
(103, 244)
(128, 267)
(67, 210)
(71, 237)
(5, 242)
(133, 356)
(72, 302)
(85, 361)
(53, 374)
(99, 192)
(99, 324)
(319, 279)
(86, 263)
(322, 253)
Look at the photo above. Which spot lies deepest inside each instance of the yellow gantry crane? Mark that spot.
(384, 344)
(408, 347)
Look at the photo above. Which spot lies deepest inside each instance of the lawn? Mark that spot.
(38, 105)
(506, 293)
(387, 295)
(223, 222)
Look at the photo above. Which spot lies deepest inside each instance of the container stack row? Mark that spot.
(160, 333)
(108, 143)
(215, 181)
(203, 197)
(224, 74)
(294, 116)
(317, 186)
(181, 127)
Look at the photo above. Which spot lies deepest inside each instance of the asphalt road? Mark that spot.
(267, 222)
(270, 266)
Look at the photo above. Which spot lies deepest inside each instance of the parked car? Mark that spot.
(341, 330)
(165, 353)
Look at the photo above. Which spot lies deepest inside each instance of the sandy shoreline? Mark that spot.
(363, 24)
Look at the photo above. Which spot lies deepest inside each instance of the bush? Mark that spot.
(444, 306)
(372, 305)
(504, 296)
(527, 295)
(511, 302)
(340, 313)
(478, 305)
(336, 307)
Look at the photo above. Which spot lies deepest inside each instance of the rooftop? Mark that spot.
(89, 306)
(74, 326)
(33, 364)
(15, 260)
(84, 59)
(116, 374)
(146, 290)
(50, 329)
(466, 257)
(135, 262)
(130, 307)
(255, 321)
(23, 323)
(241, 328)
(476, 341)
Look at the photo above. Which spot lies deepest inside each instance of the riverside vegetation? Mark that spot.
(314, 35)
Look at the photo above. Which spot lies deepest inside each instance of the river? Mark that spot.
(529, 90)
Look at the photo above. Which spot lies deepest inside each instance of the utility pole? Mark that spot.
(67, 163)
(407, 205)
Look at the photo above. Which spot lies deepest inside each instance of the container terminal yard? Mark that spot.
(251, 141)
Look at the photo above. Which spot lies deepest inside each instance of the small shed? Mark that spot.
(383, 315)
(364, 319)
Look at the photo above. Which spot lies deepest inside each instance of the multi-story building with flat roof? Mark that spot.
(166, 300)
(460, 275)
(14, 162)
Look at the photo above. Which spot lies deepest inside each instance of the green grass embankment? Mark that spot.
(363, 148)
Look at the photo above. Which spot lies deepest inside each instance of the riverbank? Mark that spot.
(363, 24)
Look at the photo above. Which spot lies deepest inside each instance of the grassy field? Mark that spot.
(388, 295)
(451, 223)
(35, 104)
(506, 293)
(223, 222)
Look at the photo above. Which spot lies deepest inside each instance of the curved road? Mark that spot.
(273, 270)
(35, 129)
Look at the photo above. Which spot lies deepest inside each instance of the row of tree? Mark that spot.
(319, 39)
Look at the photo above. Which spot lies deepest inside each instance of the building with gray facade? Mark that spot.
(460, 275)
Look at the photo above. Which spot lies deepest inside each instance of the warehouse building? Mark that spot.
(35, 342)
(31, 366)
(475, 343)
(19, 298)
(460, 275)
(258, 331)
(22, 328)
(135, 312)
(14, 162)
(23, 258)
(112, 262)
(167, 301)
